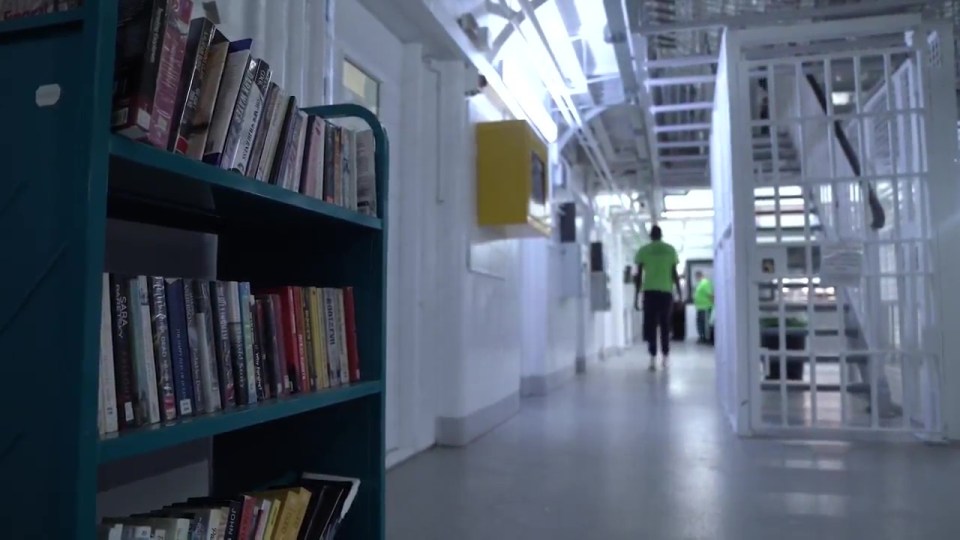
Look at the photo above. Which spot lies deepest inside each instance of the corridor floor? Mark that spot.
(621, 453)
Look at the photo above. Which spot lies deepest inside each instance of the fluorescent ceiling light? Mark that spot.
(686, 214)
(517, 80)
(554, 29)
(841, 98)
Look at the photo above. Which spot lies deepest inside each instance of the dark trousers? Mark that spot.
(702, 323)
(657, 307)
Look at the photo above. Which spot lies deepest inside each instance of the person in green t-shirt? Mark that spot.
(703, 301)
(656, 278)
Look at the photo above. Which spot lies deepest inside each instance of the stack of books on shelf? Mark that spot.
(173, 347)
(185, 87)
(308, 509)
(18, 9)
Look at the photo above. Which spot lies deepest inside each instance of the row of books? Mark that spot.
(183, 86)
(174, 347)
(17, 9)
(311, 508)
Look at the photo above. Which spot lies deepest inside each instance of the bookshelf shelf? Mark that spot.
(149, 439)
(151, 185)
(66, 175)
(41, 22)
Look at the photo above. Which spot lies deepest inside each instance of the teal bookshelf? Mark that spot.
(62, 174)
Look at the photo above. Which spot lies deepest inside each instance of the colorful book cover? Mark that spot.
(179, 346)
(193, 69)
(161, 349)
(168, 75)
(221, 331)
(238, 353)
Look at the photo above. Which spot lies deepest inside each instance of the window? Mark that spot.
(360, 88)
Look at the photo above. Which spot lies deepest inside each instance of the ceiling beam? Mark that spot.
(875, 7)
(675, 128)
(680, 107)
(681, 61)
(687, 79)
(684, 159)
(684, 144)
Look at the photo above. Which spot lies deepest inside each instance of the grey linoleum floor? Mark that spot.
(625, 454)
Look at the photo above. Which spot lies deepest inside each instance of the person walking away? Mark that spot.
(703, 301)
(656, 279)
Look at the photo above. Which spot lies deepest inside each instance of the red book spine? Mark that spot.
(302, 370)
(248, 516)
(168, 75)
(349, 314)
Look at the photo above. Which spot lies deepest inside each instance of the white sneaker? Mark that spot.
(653, 363)
(666, 362)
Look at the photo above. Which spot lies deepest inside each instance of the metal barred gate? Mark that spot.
(827, 227)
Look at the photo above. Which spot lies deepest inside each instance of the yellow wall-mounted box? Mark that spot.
(512, 179)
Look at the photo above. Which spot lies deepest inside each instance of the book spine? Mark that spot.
(287, 131)
(196, 358)
(305, 365)
(191, 81)
(203, 320)
(366, 173)
(147, 365)
(235, 133)
(108, 388)
(231, 526)
(281, 359)
(338, 166)
(235, 335)
(123, 352)
(342, 337)
(329, 156)
(260, 352)
(271, 347)
(272, 141)
(350, 316)
(199, 129)
(221, 329)
(247, 520)
(333, 350)
(346, 167)
(253, 117)
(161, 349)
(319, 339)
(179, 346)
(246, 320)
(294, 361)
(307, 323)
(238, 58)
(266, 120)
(140, 33)
(296, 165)
(168, 75)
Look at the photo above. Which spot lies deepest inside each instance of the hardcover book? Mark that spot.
(196, 360)
(366, 173)
(238, 354)
(168, 75)
(203, 319)
(108, 389)
(179, 346)
(221, 332)
(192, 72)
(161, 349)
(271, 142)
(123, 352)
(270, 104)
(145, 366)
(198, 130)
(253, 116)
(254, 390)
(234, 72)
(140, 33)
(232, 147)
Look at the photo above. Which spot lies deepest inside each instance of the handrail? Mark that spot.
(873, 201)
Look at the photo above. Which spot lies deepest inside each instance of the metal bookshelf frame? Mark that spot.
(63, 175)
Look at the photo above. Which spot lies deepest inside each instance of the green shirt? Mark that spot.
(703, 296)
(659, 261)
